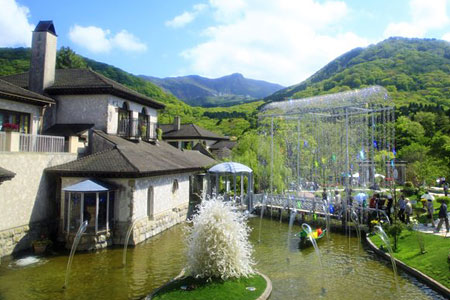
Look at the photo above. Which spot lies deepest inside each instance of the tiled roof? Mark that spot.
(85, 81)
(200, 148)
(135, 159)
(189, 131)
(223, 144)
(68, 129)
(14, 92)
(5, 174)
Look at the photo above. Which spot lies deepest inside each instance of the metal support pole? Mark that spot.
(347, 196)
(373, 150)
(271, 157)
(234, 183)
(298, 153)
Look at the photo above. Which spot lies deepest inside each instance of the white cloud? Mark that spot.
(126, 41)
(186, 17)
(15, 30)
(92, 38)
(446, 37)
(425, 15)
(281, 41)
(98, 40)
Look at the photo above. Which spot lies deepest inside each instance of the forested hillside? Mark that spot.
(413, 70)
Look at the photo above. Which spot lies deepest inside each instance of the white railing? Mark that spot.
(41, 143)
(2, 141)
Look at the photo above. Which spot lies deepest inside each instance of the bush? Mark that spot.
(409, 189)
(443, 199)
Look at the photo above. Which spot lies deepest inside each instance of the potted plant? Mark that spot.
(8, 127)
(40, 246)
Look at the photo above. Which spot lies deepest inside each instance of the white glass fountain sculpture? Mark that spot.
(217, 243)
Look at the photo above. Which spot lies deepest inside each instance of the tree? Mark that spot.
(68, 59)
(408, 132)
(427, 120)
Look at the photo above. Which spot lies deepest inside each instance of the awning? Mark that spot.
(230, 167)
(90, 185)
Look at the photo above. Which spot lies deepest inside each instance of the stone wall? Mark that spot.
(146, 228)
(27, 202)
(21, 237)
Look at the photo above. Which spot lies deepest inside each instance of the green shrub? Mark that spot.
(409, 189)
(443, 199)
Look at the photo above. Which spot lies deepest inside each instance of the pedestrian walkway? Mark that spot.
(432, 230)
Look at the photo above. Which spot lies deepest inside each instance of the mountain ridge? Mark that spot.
(227, 90)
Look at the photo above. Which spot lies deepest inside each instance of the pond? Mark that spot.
(349, 272)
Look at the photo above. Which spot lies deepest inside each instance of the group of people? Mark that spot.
(385, 203)
(405, 209)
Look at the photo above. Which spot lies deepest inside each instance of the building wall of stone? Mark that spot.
(131, 205)
(86, 109)
(165, 199)
(43, 61)
(28, 200)
(33, 110)
(114, 103)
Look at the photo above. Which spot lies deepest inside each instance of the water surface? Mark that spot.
(348, 273)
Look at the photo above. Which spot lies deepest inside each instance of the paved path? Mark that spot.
(431, 230)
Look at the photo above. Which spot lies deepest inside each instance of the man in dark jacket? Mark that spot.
(443, 216)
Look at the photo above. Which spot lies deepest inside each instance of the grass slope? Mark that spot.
(433, 263)
(200, 289)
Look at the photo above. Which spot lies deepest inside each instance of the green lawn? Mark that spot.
(200, 289)
(433, 263)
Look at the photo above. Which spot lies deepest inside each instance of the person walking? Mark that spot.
(443, 217)
(446, 189)
(401, 207)
(408, 211)
(430, 207)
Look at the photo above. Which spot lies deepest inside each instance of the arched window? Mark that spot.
(124, 127)
(150, 202)
(175, 186)
(143, 124)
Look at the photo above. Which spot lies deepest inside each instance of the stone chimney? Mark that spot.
(43, 57)
(177, 123)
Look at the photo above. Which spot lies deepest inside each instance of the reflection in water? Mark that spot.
(350, 274)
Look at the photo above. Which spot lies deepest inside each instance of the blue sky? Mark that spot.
(282, 41)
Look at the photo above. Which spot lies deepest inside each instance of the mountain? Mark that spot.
(412, 70)
(224, 91)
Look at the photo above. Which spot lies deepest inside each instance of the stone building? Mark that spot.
(116, 172)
